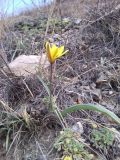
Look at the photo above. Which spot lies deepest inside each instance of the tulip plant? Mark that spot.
(53, 53)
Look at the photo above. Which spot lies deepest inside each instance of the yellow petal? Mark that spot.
(47, 46)
(48, 50)
(60, 52)
(54, 51)
(54, 48)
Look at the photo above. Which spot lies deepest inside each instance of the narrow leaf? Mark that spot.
(92, 107)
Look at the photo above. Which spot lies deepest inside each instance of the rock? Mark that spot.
(78, 128)
(110, 92)
(25, 65)
(77, 21)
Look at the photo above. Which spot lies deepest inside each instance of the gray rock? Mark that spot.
(26, 65)
(78, 128)
(77, 21)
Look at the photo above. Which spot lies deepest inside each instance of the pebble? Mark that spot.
(77, 21)
(78, 128)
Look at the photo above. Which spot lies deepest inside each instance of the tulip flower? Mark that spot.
(54, 52)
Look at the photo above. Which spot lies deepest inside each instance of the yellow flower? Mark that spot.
(67, 158)
(54, 52)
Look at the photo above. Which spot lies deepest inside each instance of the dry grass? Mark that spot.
(79, 8)
(75, 77)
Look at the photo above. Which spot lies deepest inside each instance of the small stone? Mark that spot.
(110, 92)
(77, 21)
(78, 128)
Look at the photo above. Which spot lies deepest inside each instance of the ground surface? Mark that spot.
(89, 73)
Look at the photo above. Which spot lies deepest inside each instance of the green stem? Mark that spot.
(51, 81)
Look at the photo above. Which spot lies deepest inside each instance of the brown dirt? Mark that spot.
(90, 73)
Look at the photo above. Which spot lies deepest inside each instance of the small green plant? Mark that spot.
(69, 143)
(102, 138)
(12, 124)
(9, 124)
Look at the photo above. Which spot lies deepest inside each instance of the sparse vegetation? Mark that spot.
(102, 138)
(66, 110)
(72, 145)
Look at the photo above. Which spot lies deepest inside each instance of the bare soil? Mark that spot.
(89, 73)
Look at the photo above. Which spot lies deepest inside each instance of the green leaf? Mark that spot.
(92, 107)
